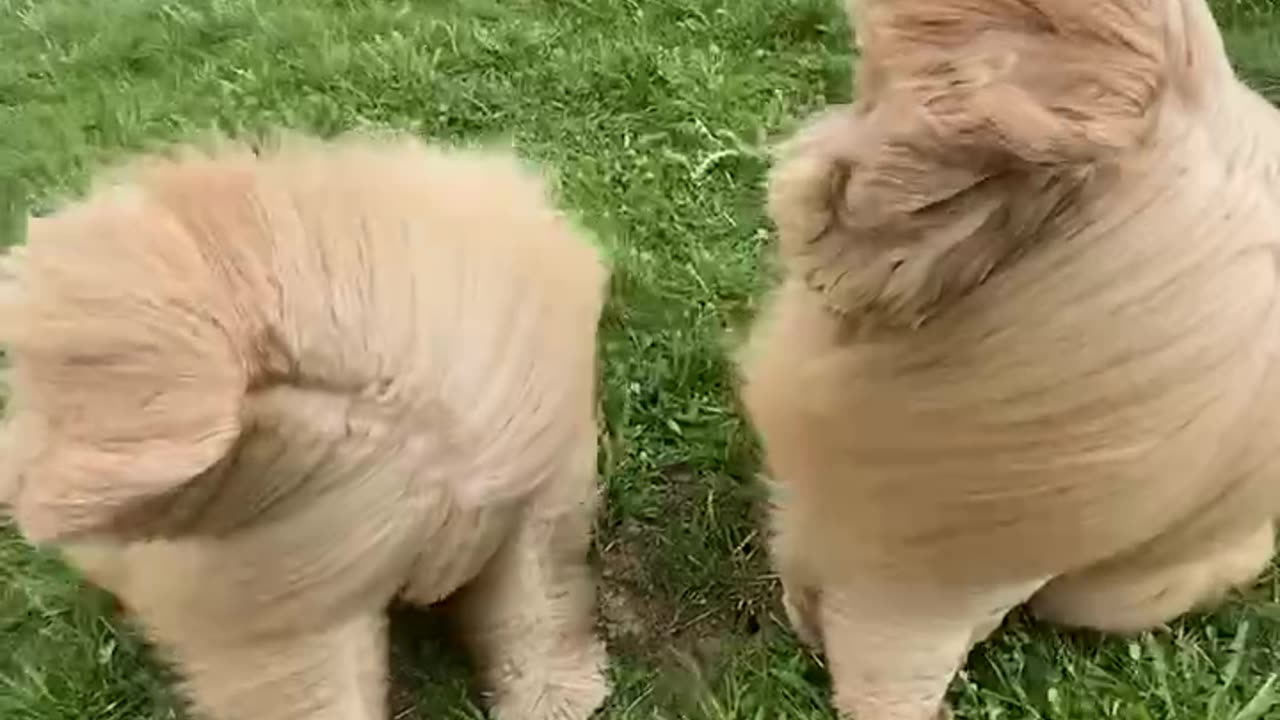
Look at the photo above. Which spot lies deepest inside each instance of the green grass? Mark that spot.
(655, 117)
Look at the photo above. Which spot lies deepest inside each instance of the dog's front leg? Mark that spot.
(338, 673)
(893, 652)
(529, 616)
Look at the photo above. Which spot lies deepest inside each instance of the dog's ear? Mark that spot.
(126, 383)
(975, 123)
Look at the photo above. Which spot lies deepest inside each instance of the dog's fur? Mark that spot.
(1025, 347)
(258, 394)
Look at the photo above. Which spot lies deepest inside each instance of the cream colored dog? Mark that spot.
(1026, 346)
(257, 396)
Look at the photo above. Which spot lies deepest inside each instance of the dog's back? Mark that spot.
(398, 285)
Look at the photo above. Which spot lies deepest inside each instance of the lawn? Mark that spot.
(655, 118)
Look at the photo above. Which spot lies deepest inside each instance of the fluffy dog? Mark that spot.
(1025, 347)
(260, 393)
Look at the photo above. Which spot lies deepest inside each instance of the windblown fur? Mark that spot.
(1026, 341)
(258, 394)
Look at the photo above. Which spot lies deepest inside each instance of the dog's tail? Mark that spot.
(975, 123)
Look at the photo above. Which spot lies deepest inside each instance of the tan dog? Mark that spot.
(259, 396)
(1026, 347)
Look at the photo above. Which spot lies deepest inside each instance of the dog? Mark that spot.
(260, 391)
(1024, 347)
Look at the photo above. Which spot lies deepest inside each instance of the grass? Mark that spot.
(654, 116)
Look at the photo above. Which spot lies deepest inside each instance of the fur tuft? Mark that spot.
(112, 298)
(975, 123)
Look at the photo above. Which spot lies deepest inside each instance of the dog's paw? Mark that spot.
(559, 698)
(548, 690)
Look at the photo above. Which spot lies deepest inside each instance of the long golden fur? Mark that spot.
(1025, 347)
(260, 393)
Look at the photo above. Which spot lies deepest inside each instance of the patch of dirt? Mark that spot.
(684, 625)
(642, 618)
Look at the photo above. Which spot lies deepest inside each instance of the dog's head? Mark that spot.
(127, 360)
(975, 123)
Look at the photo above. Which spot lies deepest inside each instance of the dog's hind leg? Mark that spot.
(803, 603)
(801, 594)
(893, 654)
(1132, 594)
(337, 673)
(529, 616)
